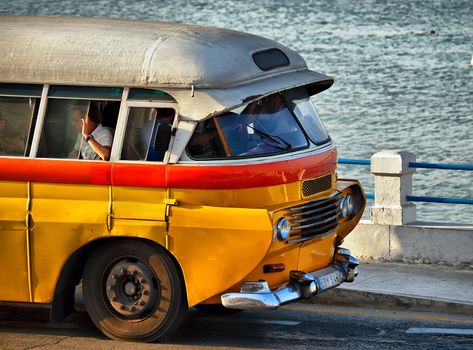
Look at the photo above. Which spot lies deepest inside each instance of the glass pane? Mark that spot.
(16, 120)
(25, 90)
(89, 93)
(263, 127)
(206, 142)
(62, 137)
(303, 108)
(140, 135)
(149, 95)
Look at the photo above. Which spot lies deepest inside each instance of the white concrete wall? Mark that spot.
(416, 242)
(393, 234)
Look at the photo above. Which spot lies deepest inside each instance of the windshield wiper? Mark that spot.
(275, 139)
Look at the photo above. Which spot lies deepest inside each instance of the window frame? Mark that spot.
(26, 91)
(31, 120)
(89, 93)
(122, 123)
(303, 126)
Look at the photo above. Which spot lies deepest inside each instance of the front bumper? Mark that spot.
(301, 285)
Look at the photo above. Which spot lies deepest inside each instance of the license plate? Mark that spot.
(329, 280)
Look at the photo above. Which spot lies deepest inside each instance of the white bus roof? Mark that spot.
(207, 70)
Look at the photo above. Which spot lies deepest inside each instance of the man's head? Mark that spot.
(76, 118)
(165, 115)
(79, 113)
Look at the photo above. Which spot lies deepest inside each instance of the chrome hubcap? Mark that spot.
(130, 287)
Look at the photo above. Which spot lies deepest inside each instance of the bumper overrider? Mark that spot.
(301, 285)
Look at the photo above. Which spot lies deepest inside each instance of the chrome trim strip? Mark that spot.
(288, 293)
(306, 238)
(303, 227)
(317, 202)
(310, 211)
(318, 230)
(243, 301)
(312, 218)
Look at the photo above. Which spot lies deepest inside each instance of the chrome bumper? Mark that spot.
(301, 285)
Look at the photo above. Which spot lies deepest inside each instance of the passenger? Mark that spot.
(109, 110)
(163, 116)
(97, 139)
(10, 145)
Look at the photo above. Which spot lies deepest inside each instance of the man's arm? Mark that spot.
(103, 151)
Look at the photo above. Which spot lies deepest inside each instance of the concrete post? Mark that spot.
(393, 182)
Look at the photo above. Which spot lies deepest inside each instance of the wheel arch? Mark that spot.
(72, 271)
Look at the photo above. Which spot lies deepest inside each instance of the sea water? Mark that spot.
(403, 77)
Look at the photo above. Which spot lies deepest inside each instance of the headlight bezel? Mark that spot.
(347, 206)
(283, 229)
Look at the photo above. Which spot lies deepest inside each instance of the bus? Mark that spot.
(161, 167)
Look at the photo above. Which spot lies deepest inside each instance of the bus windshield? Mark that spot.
(262, 127)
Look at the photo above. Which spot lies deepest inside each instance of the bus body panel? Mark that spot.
(14, 198)
(65, 217)
(217, 246)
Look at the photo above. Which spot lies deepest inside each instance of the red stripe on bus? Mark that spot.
(173, 176)
(254, 175)
(55, 171)
(142, 175)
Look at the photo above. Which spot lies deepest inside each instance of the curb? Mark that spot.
(357, 298)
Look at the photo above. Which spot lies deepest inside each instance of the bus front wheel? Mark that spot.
(133, 291)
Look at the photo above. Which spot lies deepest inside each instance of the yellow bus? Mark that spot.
(163, 167)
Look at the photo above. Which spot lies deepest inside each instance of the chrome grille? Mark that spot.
(314, 218)
(314, 186)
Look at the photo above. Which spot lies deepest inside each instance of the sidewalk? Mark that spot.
(406, 286)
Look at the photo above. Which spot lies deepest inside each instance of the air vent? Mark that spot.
(270, 59)
(314, 186)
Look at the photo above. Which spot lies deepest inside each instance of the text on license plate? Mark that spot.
(329, 280)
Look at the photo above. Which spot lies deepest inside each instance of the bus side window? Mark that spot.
(164, 116)
(17, 118)
(61, 136)
(206, 142)
(138, 133)
(140, 136)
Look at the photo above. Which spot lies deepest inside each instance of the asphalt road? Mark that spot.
(297, 326)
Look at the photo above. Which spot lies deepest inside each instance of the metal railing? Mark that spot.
(450, 200)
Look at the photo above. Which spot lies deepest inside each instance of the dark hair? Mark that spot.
(93, 113)
(166, 112)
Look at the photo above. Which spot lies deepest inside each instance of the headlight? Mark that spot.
(283, 229)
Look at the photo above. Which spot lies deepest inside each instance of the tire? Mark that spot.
(133, 291)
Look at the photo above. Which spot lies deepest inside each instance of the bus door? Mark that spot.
(139, 196)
